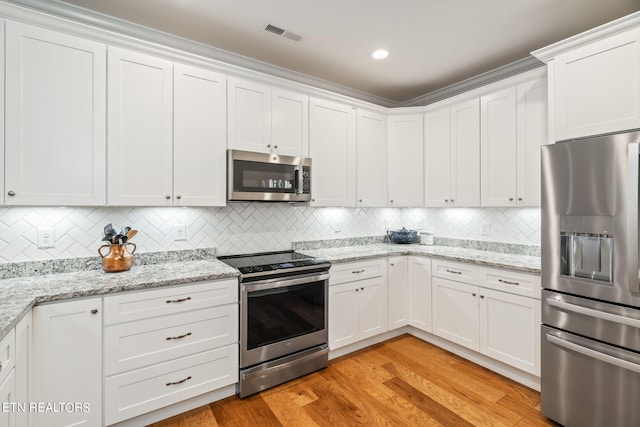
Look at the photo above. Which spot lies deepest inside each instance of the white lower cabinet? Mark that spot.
(167, 345)
(420, 306)
(7, 380)
(24, 354)
(399, 292)
(502, 325)
(357, 307)
(67, 363)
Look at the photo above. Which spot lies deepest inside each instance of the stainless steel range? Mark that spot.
(283, 317)
(591, 298)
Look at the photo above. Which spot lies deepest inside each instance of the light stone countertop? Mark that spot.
(524, 263)
(18, 295)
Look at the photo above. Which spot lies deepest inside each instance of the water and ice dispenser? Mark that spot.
(587, 254)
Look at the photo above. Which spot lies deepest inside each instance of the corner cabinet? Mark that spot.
(332, 148)
(55, 144)
(399, 292)
(452, 155)
(420, 305)
(372, 159)
(595, 80)
(405, 160)
(267, 119)
(513, 127)
(140, 129)
(67, 362)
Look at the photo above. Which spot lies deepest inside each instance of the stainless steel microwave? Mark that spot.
(267, 177)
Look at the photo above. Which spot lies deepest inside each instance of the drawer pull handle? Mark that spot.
(358, 271)
(169, 301)
(453, 271)
(506, 282)
(179, 337)
(179, 382)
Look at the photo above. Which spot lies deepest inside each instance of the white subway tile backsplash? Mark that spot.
(246, 227)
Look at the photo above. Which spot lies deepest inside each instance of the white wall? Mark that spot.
(247, 227)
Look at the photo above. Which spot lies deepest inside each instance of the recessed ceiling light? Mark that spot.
(380, 54)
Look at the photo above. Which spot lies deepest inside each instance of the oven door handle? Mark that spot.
(586, 351)
(603, 315)
(284, 282)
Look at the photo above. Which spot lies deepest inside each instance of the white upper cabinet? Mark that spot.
(594, 80)
(405, 160)
(55, 118)
(266, 119)
(371, 159)
(140, 129)
(513, 127)
(332, 147)
(452, 155)
(199, 145)
(498, 147)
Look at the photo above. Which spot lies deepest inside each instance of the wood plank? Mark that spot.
(199, 417)
(249, 412)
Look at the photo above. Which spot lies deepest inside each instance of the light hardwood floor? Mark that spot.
(401, 382)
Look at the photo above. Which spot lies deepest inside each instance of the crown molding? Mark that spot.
(598, 33)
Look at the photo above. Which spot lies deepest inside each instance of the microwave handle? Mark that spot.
(297, 180)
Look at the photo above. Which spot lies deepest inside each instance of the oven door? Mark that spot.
(267, 177)
(282, 316)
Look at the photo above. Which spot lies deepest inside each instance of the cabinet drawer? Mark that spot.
(510, 281)
(458, 271)
(352, 271)
(176, 299)
(7, 354)
(144, 390)
(133, 345)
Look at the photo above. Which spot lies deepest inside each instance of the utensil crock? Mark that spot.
(119, 257)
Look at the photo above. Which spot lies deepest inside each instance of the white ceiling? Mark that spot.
(432, 43)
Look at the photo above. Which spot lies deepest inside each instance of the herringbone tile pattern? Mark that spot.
(246, 227)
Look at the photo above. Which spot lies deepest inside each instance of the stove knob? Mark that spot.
(248, 270)
(258, 268)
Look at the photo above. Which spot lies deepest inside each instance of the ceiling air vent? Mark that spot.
(283, 33)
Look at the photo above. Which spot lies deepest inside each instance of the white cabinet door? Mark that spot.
(533, 132)
(2, 104)
(399, 292)
(199, 145)
(465, 154)
(437, 158)
(498, 148)
(55, 118)
(420, 305)
(140, 129)
(289, 123)
(343, 315)
(67, 361)
(456, 312)
(8, 398)
(332, 147)
(249, 119)
(510, 329)
(405, 163)
(371, 159)
(372, 307)
(597, 87)
(24, 354)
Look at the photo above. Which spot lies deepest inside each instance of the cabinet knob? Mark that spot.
(519, 199)
(168, 196)
(275, 146)
(446, 200)
(11, 193)
(474, 294)
(313, 200)
(511, 199)
(391, 201)
(360, 200)
(94, 311)
(452, 200)
(482, 296)
(178, 197)
(268, 145)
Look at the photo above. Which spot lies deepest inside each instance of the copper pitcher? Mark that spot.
(119, 258)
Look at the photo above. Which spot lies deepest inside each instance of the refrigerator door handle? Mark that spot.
(594, 313)
(633, 242)
(594, 354)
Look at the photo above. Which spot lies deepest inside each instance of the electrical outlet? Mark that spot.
(46, 238)
(485, 229)
(180, 231)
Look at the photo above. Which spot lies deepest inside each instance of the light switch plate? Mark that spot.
(180, 232)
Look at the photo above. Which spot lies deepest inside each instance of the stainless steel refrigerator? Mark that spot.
(590, 336)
